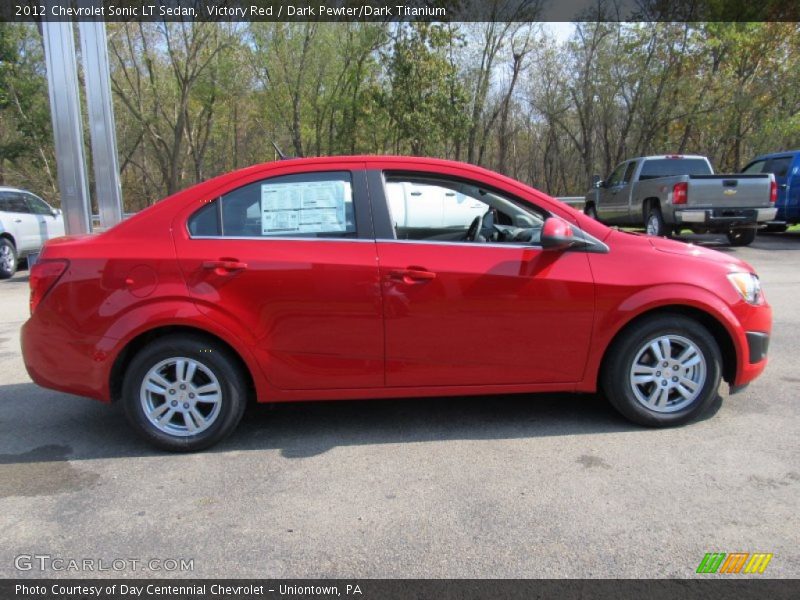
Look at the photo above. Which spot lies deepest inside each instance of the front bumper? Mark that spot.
(724, 218)
(758, 344)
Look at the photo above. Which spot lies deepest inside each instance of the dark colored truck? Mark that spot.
(668, 193)
(785, 166)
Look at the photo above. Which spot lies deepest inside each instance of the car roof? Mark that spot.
(670, 156)
(775, 154)
(7, 188)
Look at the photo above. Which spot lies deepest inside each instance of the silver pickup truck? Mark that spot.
(671, 192)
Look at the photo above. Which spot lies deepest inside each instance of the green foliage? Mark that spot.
(25, 130)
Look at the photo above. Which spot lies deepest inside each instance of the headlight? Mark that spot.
(748, 286)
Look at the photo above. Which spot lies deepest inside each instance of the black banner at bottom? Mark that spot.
(399, 589)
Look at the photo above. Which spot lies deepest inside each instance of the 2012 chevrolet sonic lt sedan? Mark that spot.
(377, 277)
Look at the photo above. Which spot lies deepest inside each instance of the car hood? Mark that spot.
(699, 252)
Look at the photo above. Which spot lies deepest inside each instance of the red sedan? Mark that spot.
(376, 277)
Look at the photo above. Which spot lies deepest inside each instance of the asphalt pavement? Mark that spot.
(514, 486)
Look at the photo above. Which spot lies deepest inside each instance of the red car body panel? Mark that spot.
(331, 319)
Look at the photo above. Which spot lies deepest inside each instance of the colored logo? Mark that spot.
(735, 562)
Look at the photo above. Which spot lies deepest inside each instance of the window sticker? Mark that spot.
(304, 207)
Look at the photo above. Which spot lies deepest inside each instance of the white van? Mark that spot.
(26, 223)
(425, 206)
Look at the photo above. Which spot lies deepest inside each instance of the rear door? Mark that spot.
(289, 263)
(470, 313)
(23, 224)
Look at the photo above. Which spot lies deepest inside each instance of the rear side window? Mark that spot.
(307, 205)
(755, 167)
(13, 202)
(667, 167)
(778, 166)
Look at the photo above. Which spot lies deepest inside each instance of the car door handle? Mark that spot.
(224, 265)
(412, 275)
(17, 220)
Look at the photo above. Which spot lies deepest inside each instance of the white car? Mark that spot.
(26, 223)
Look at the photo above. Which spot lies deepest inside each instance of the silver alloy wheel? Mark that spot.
(668, 373)
(652, 224)
(6, 257)
(181, 396)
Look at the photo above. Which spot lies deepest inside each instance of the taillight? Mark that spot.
(680, 192)
(773, 192)
(43, 276)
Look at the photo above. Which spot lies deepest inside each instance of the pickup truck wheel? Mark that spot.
(664, 372)
(654, 224)
(184, 393)
(8, 259)
(741, 237)
(590, 211)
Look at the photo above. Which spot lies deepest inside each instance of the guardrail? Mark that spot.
(96, 219)
(576, 202)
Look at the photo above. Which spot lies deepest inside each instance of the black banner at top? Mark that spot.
(400, 10)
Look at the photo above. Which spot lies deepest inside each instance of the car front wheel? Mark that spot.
(184, 393)
(665, 371)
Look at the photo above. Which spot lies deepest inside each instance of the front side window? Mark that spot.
(616, 177)
(441, 210)
(629, 172)
(38, 206)
(307, 205)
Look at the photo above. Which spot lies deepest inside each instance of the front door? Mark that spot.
(289, 263)
(613, 204)
(482, 303)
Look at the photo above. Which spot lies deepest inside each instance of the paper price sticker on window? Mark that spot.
(307, 207)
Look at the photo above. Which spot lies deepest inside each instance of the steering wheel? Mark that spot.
(474, 230)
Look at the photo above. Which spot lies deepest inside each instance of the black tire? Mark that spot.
(8, 258)
(210, 356)
(741, 237)
(617, 371)
(590, 210)
(654, 222)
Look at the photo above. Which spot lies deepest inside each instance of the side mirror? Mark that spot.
(597, 181)
(557, 234)
(55, 212)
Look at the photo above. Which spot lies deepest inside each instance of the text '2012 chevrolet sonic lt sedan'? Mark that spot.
(377, 277)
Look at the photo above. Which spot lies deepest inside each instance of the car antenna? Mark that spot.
(278, 150)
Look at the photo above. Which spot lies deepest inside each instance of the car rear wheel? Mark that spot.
(8, 259)
(184, 393)
(741, 237)
(654, 224)
(663, 372)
